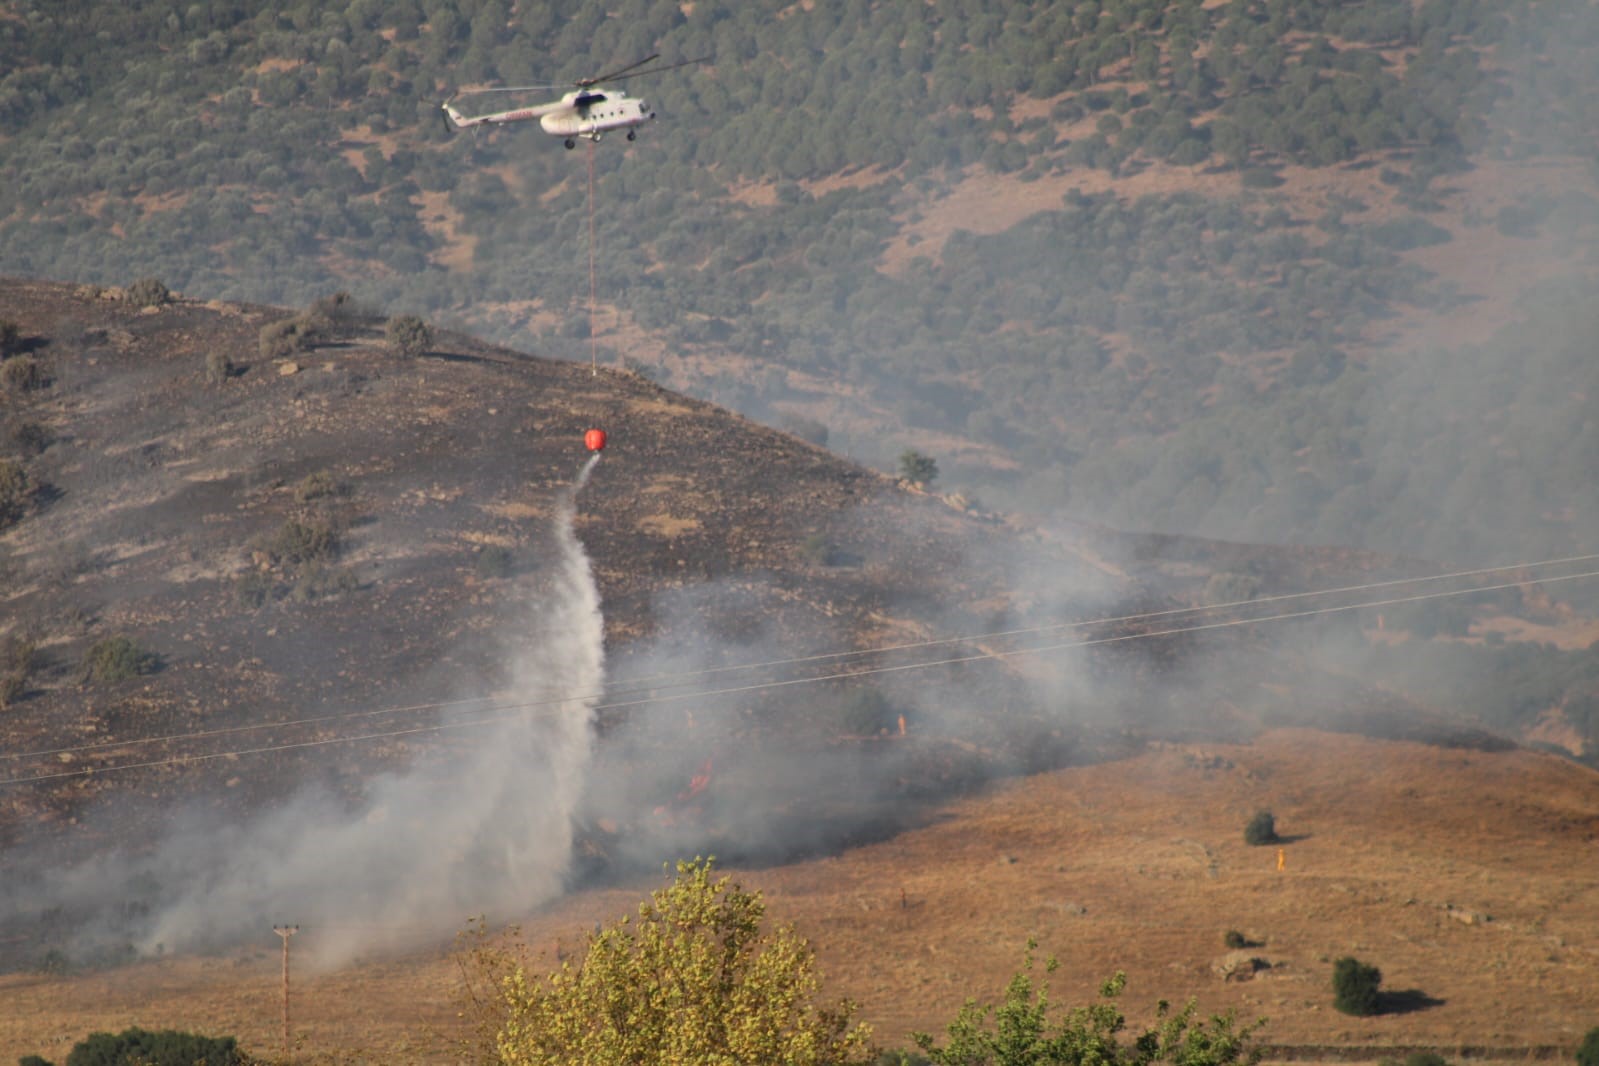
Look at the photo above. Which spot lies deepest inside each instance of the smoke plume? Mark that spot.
(484, 826)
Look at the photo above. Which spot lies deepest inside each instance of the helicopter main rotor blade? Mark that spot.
(511, 89)
(584, 83)
(659, 70)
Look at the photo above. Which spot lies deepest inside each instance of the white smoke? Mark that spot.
(482, 830)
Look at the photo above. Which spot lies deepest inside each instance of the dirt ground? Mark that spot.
(1465, 876)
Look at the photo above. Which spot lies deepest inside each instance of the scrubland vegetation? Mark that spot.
(1210, 362)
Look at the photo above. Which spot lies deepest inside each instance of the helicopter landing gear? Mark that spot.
(570, 144)
(632, 135)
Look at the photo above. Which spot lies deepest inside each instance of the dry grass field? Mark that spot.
(1466, 876)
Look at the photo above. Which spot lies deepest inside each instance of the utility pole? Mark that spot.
(285, 931)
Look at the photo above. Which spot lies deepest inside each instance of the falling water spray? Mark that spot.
(484, 826)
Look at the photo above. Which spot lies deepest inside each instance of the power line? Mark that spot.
(649, 683)
(988, 656)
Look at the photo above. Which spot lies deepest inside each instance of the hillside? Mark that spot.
(343, 528)
(1268, 270)
(369, 677)
(1459, 874)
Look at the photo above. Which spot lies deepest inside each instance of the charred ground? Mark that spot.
(343, 529)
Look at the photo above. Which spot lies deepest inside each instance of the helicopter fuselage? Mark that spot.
(581, 113)
(587, 113)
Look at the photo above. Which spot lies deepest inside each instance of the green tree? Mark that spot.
(408, 335)
(16, 491)
(218, 367)
(148, 292)
(141, 1047)
(917, 468)
(693, 979)
(1021, 1032)
(1355, 986)
(1262, 829)
(116, 659)
(10, 337)
(22, 374)
(1588, 1051)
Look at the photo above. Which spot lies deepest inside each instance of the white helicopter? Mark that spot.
(584, 112)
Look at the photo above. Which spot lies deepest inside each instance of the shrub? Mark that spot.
(808, 429)
(318, 486)
(917, 468)
(816, 549)
(317, 581)
(1413, 231)
(165, 1048)
(1261, 178)
(17, 655)
(16, 491)
(30, 438)
(1235, 940)
(148, 292)
(1355, 987)
(22, 374)
(408, 335)
(1225, 586)
(495, 560)
(12, 688)
(332, 316)
(1588, 1050)
(1262, 829)
(10, 338)
(218, 367)
(278, 340)
(296, 542)
(116, 659)
(1027, 1026)
(864, 712)
(254, 588)
(1417, 1058)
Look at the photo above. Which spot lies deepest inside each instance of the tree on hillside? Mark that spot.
(148, 292)
(168, 1047)
(1262, 829)
(16, 491)
(1588, 1051)
(694, 978)
(918, 469)
(408, 335)
(1355, 986)
(1020, 1032)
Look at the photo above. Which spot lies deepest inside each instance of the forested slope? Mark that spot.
(1288, 270)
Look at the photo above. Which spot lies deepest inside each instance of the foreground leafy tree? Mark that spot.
(693, 979)
(1020, 1032)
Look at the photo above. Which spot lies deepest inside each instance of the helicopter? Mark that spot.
(585, 111)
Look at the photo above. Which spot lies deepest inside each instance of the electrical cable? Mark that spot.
(630, 686)
(790, 682)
